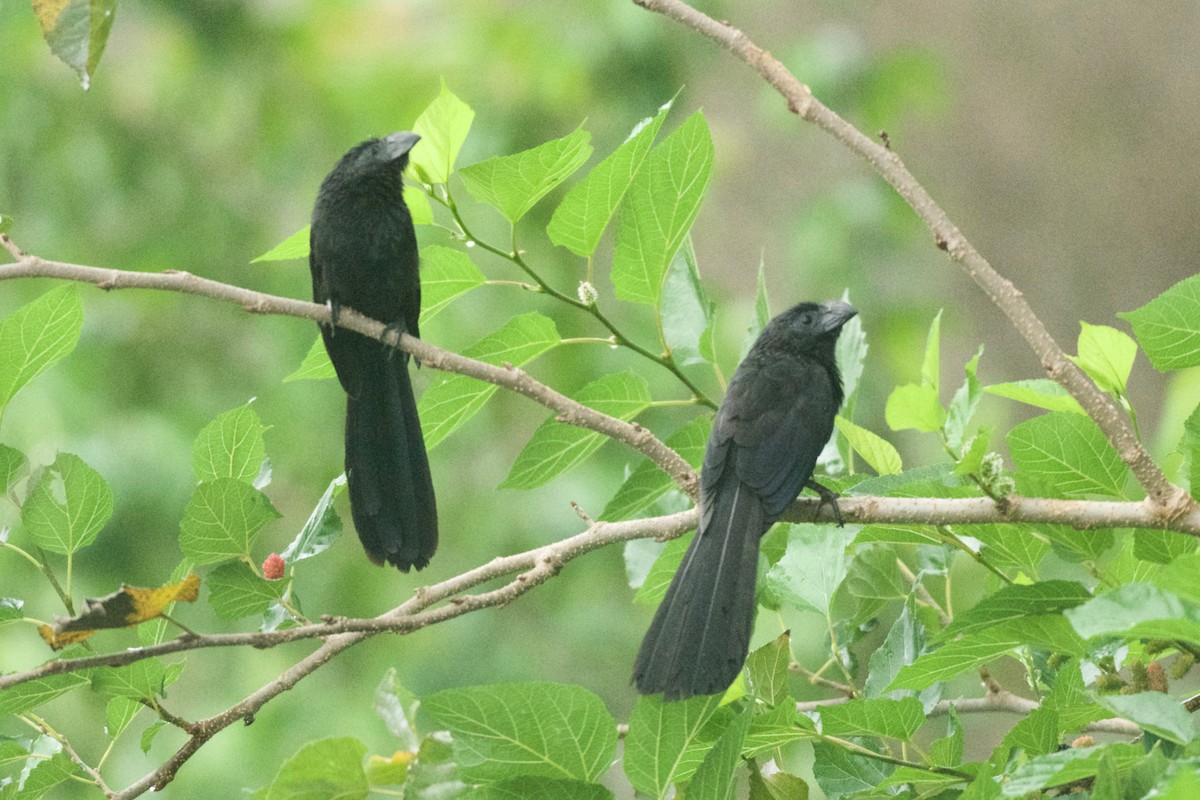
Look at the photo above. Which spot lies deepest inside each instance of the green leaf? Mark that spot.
(948, 751)
(930, 365)
(1154, 712)
(715, 779)
(659, 210)
(529, 787)
(141, 679)
(1106, 355)
(914, 407)
(397, 707)
(1066, 766)
(686, 312)
(1068, 454)
(46, 768)
(418, 205)
(294, 246)
(1168, 327)
(1040, 392)
(812, 567)
(963, 405)
(13, 467)
(1015, 603)
(10, 609)
(875, 450)
(445, 274)
(6, 222)
(76, 31)
(1190, 447)
(647, 482)
(1037, 734)
(904, 642)
(954, 658)
(235, 591)
(322, 528)
(316, 365)
(454, 399)
(443, 127)
(31, 694)
(873, 575)
(762, 314)
(584, 213)
(513, 184)
(1161, 547)
(231, 446)
(221, 520)
(664, 744)
(1179, 577)
(777, 786)
(67, 508)
(654, 587)
(1008, 545)
(544, 729)
(776, 728)
(896, 719)
(1137, 609)
(37, 335)
(557, 447)
(851, 353)
(118, 714)
(1071, 700)
(152, 730)
(841, 773)
(327, 768)
(768, 669)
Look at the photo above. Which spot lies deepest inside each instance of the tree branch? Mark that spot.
(1169, 500)
(508, 376)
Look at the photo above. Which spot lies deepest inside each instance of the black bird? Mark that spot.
(363, 255)
(775, 420)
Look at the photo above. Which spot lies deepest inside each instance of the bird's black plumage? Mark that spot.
(776, 418)
(363, 255)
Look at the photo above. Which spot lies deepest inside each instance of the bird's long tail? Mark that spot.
(700, 635)
(391, 490)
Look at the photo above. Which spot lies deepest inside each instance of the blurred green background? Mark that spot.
(1060, 139)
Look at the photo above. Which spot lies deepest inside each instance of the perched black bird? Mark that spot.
(364, 256)
(776, 418)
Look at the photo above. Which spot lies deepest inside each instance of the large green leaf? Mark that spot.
(68, 506)
(875, 450)
(454, 399)
(896, 719)
(659, 210)
(1154, 712)
(557, 447)
(1040, 392)
(294, 246)
(327, 768)
(445, 274)
(686, 312)
(812, 567)
(1015, 603)
(231, 446)
(971, 651)
(443, 127)
(1106, 355)
(235, 591)
(221, 520)
(716, 777)
(664, 744)
(1068, 455)
(1168, 327)
(1138, 609)
(513, 184)
(37, 335)
(31, 694)
(540, 729)
(584, 213)
(647, 482)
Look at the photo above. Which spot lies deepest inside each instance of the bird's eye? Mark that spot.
(806, 319)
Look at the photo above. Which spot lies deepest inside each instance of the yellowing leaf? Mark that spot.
(126, 607)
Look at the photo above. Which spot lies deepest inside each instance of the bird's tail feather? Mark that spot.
(700, 635)
(391, 489)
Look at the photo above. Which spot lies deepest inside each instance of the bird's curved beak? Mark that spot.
(400, 142)
(835, 314)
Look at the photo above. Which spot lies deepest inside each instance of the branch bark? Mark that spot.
(1170, 501)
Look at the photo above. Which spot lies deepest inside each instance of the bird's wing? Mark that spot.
(770, 431)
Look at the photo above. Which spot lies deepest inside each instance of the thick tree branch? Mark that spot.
(1170, 500)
